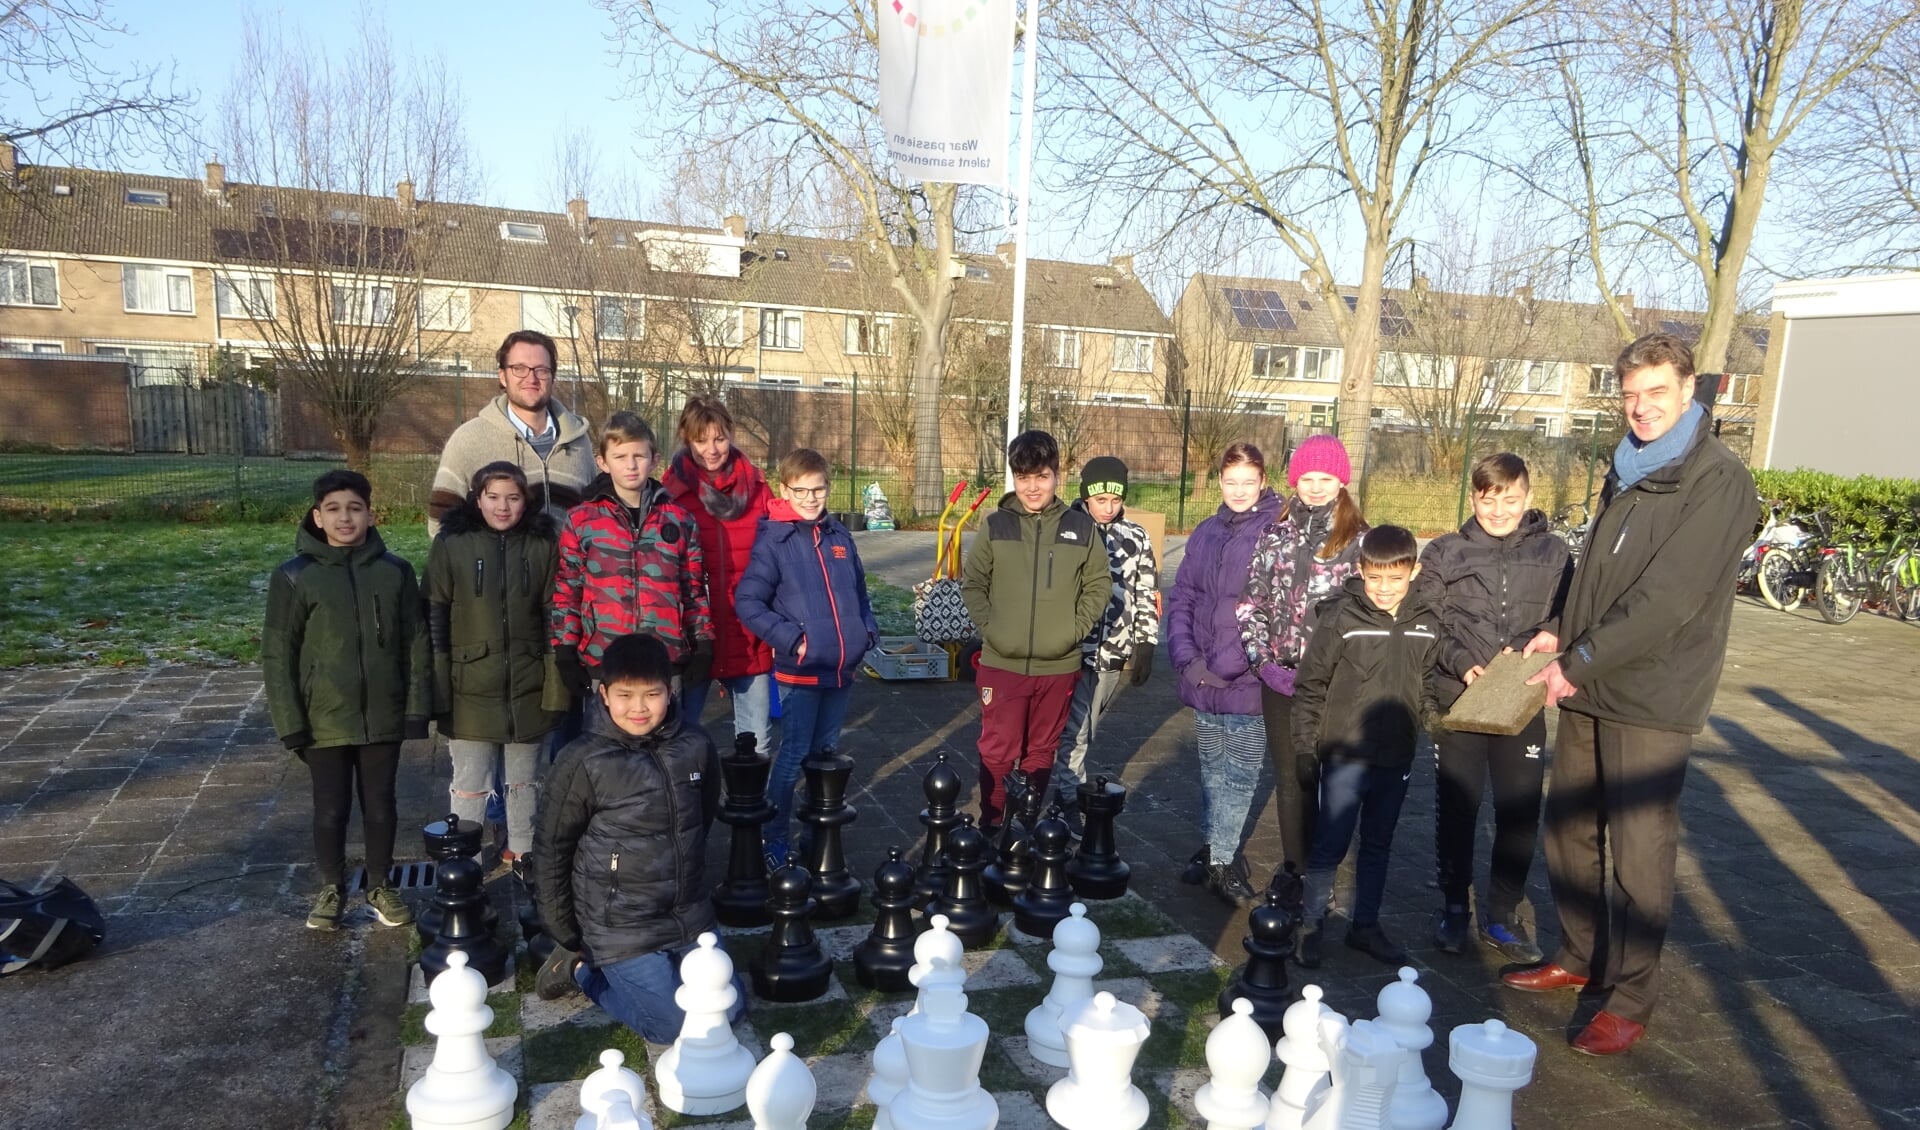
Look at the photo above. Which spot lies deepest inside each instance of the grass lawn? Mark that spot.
(132, 593)
(195, 486)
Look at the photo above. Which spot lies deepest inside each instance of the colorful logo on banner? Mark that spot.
(936, 27)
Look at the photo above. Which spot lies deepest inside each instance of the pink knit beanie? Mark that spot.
(1323, 454)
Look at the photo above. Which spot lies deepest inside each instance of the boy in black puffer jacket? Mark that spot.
(620, 845)
(1498, 582)
(1364, 689)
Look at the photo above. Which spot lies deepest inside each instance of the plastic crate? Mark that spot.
(906, 657)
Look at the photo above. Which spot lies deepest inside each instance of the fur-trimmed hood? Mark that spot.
(467, 519)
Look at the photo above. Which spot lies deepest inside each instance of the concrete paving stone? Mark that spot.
(31, 849)
(840, 1081)
(537, 1015)
(1042, 1074)
(86, 859)
(101, 885)
(1021, 1111)
(1140, 993)
(110, 751)
(997, 969)
(154, 782)
(144, 809)
(1166, 955)
(553, 1106)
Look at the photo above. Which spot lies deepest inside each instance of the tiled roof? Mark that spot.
(462, 243)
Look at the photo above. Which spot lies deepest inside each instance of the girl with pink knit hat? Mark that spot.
(1302, 558)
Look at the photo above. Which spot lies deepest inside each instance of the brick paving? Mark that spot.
(1791, 995)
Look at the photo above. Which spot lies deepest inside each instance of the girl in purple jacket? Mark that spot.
(1215, 677)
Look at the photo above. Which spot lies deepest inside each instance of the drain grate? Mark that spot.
(404, 877)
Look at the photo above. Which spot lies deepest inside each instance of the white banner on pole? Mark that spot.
(946, 72)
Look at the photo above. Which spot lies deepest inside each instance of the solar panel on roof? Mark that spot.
(1760, 338)
(1258, 309)
(1688, 332)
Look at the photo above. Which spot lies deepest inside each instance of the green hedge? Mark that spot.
(1865, 506)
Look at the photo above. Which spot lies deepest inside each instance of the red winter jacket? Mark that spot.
(739, 493)
(614, 580)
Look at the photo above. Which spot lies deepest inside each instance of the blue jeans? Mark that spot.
(810, 720)
(1091, 697)
(752, 706)
(638, 992)
(1232, 749)
(1354, 792)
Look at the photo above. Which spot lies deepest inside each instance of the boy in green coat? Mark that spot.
(344, 656)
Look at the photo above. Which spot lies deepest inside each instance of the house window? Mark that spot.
(1132, 353)
(1320, 416)
(543, 312)
(156, 290)
(1273, 362)
(152, 366)
(780, 329)
(25, 283)
(1740, 388)
(1548, 426)
(779, 379)
(841, 263)
(626, 385)
(1388, 413)
(869, 335)
(1062, 348)
(1540, 378)
(1583, 424)
(713, 324)
(1262, 407)
(147, 198)
(523, 233)
(977, 272)
(1317, 365)
(31, 347)
(243, 296)
(446, 308)
(362, 304)
(1602, 381)
(620, 318)
(1121, 398)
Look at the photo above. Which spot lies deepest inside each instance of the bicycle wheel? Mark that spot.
(1834, 594)
(1905, 586)
(1776, 581)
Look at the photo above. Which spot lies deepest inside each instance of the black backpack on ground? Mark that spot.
(46, 928)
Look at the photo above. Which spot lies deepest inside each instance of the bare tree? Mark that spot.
(58, 97)
(806, 76)
(1861, 175)
(327, 252)
(1308, 115)
(977, 370)
(1207, 393)
(1668, 119)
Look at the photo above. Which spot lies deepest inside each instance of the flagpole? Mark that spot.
(1018, 338)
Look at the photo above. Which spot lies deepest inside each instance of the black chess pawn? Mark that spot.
(447, 840)
(942, 813)
(1263, 979)
(969, 915)
(1096, 870)
(741, 898)
(791, 966)
(835, 889)
(882, 960)
(460, 897)
(1049, 896)
(1012, 870)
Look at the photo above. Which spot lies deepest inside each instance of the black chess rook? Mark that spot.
(741, 898)
(882, 960)
(460, 904)
(791, 966)
(1263, 979)
(940, 817)
(969, 915)
(1096, 870)
(1049, 897)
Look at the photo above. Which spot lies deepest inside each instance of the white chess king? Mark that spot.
(944, 1044)
(706, 1070)
(1103, 1039)
(464, 1089)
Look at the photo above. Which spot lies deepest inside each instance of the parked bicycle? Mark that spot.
(1779, 531)
(1852, 576)
(1572, 529)
(1786, 571)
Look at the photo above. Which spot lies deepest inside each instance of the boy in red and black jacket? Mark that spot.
(805, 594)
(629, 562)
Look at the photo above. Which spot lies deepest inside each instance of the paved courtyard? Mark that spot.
(1791, 995)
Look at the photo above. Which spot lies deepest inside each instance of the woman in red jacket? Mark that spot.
(727, 496)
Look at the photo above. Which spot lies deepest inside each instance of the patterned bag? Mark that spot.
(939, 612)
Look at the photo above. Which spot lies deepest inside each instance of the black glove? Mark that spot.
(1306, 767)
(1142, 664)
(699, 666)
(416, 729)
(573, 674)
(298, 742)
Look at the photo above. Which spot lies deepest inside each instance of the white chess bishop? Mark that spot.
(781, 1093)
(1492, 1061)
(706, 1070)
(1305, 1058)
(1075, 961)
(889, 1076)
(1404, 1009)
(463, 1089)
(1366, 1068)
(939, 958)
(1103, 1039)
(944, 1045)
(613, 1098)
(1237, 1057)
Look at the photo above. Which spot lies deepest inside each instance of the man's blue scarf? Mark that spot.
(1633, 460)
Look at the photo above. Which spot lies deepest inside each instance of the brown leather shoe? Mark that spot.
(1542, 979)
(1608, 1035)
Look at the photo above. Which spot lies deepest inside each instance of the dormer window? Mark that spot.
(842, 263)
(147, 198)
(780, 254)
(975, 271)
(344, 216)
(523, 233)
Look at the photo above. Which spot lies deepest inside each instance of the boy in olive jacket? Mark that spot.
(344, 658)
(1036, 581)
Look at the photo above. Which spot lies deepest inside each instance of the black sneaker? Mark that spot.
(1306, 950)
(1450, 929)
(1196, 872)
(1510, 938)
(555, 979)
(1373, 941)
(1076, 823)
(1292, 889)
(1227, 884)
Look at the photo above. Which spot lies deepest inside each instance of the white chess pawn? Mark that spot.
(939, 957)
(889, 1076)
(1305, 1059)
(613, 1098)
(1404, 1010)
(1075, 961)
(1366, 1068)
(1492, 1061)
(1237, 1056)
(706, 1070)
(1103, 1039)
(781, 1093)
(944, 1045)
(463, 1089)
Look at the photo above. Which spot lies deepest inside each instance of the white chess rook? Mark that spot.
(1305, 1059)
(1492, 1061)
(889, 1076)
(463, 1089)
(613, 1098)
(1103, 1039)
(944, 1045)
(1366, 1068)
(1404, 1010)
(706, 1070)
(1237, 1055)
(1075, 961)
(781, 1094)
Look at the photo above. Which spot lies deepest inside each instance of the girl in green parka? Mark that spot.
(489, 593)
(344, 658)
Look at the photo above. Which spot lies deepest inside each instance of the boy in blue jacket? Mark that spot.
(805, 594)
